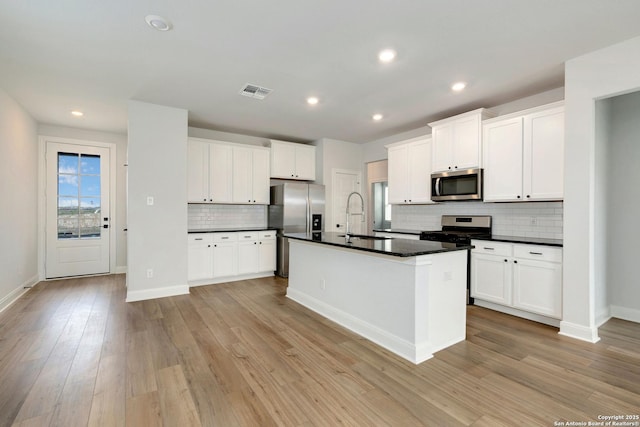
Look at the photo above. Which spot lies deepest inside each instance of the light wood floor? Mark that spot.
(72, 352)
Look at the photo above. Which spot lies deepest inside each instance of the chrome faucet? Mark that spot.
(361, 213)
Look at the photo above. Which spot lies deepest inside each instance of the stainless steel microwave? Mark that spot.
(457, 185)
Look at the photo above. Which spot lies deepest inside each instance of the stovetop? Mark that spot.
(460, 229)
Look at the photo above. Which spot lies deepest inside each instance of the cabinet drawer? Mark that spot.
(268, 235)
(248, 235)
(225, 237)
(200, 238)
(542, 253)
(494, 248)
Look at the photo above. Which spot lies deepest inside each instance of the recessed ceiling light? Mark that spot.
(387, 55)
(457, 87)
(157, 22)
(377, 117)
(77, 113)
(312, 100)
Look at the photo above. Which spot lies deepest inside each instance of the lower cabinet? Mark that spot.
(230, 256)
(521, 276)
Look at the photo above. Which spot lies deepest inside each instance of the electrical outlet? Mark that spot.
(150, 201)
(149, 273)
(533, 220)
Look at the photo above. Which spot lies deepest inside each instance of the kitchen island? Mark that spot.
(408, 296)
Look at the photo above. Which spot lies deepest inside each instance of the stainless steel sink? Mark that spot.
(365, 237)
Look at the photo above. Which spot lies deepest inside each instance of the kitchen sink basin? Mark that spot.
(365, 237)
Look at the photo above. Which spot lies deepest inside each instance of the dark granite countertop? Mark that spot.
(398, 231)
(525, 240)
(388, 246)
(229, 230)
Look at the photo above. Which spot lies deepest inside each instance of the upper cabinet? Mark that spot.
(523, 155)
(293, 161)
(222, 172)
(410, 171)
(457, 141)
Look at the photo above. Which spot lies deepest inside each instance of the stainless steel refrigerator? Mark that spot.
(294, 208)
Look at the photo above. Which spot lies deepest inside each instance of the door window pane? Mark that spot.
(79, 202)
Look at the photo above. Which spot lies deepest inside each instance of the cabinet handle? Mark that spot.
(455, 167)
(254, 201)
(449, 167)
(489, 249)
(518, 197)
(199, 238)
(247, 237)
(536, 253)
(528, 196)
(255, 243)
(224, 238)
(208, 246)
(204, 200)
(260, 242)
(515, 262)
(505, 260)
(215, 246)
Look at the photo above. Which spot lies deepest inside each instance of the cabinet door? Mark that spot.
(198, 172)
(544, 155)
(242, 175)
(502, 149)
(537, 287)
(442, 147)
(419, 166)
(260, 178)
(267, 255)
(491, 278)
(248, 256)
(225, 259)
(200, 262)
(305, 162)
(220, 174)
(466, 142)
(283, 160)
(398, 174)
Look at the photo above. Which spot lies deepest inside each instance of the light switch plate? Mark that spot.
(149, 200)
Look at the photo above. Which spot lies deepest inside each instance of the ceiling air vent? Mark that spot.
(254, 91)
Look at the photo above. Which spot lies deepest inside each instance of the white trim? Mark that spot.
(204, 282)
(42, 194)
(121, 269)
(573, 330)
(625, 313)
(603, 317)
(15, 294)
(167, 291)
(414, 353)
(518, 313)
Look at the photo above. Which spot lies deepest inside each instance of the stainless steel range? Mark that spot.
(459, 230)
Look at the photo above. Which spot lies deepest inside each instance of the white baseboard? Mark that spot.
(580, 332)
(227, 279)
(603, 316)
(519, 313)
(17, 293)
(625, 313)
(121, 269)
(146, 294)
(415, 353)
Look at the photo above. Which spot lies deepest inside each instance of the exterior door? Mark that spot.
(77, 210)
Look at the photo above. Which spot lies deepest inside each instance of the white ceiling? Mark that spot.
(56, 56)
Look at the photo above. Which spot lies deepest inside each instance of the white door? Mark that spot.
(77, 210)
(344, 182)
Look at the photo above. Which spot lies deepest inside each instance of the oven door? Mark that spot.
(458, 185)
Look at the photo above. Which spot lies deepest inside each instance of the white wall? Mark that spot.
(157, 236)
(624, 207)
(19, 195)
(604, 73)
(333, 154)
(120, 141)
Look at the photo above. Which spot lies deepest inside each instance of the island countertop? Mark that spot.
(384, 246)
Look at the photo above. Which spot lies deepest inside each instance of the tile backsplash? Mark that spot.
(528, 219)
(204, 216)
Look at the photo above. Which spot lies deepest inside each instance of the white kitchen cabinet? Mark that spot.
(222, 172)
(293, 161)
(250, 175)
(523, 155)
(457, 141)
(200, 261)
(267, 251)
(229, 256)
(521, 276)
(409, 171)
(225, 254)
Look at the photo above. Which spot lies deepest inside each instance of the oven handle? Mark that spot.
(438, 186)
